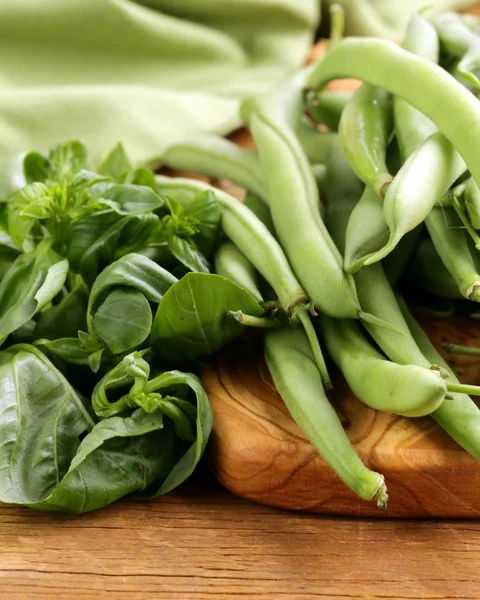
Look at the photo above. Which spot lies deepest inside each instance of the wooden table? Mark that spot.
(201, 542)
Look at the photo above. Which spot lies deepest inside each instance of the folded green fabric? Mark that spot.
(389, 18)
(143, 72)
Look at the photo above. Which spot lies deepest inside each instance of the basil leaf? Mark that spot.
(70, 350)
(65, 318)
(206, 212)
(131, 273)
(36, 167)
(67, 159)
(124, 310)
(192, 319)
(41, 420)
(116, 164)
(130, 199)
(184, 250)
(32, 281)
(124, 236)
(82, 234)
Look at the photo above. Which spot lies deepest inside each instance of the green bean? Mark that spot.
(261, 210)
(459, 417)
(365, 128)
(326, 107)
(373, 288)
(411, 127)
(421, 83)
(367, 230)
(396, 262)
(407, 390)
(296, 377)
(428, 270)
(232, 264)
(254, 240)
(457, 39)
(293, 199)
(463, 350)
(426, 176)
(217, 157)
(472, 202)
(421, 39)
(452, 245)
(315, 143)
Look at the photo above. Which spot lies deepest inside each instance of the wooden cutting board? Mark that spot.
(258, 452)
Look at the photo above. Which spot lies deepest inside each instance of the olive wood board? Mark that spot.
(259, 453)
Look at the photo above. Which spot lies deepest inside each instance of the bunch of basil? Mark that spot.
(103, 283)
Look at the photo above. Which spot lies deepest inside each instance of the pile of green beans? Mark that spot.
(352, 199)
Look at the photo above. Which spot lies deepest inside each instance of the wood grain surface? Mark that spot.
(203, 543)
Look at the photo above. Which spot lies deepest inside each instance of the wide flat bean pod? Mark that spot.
(232, 264)
(326, 107)
(367, 230)
(406, 390)
(217, 157)
(293, 199)
(343, 190)
(427, 270)
(397, 261)
(411, 125)
(472, 202)
(291, 364)
(365, 128)
(452, 244)
(424, 178)
(459, 417)
(417, 80)
(457, 39)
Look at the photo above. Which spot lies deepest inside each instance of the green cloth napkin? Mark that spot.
(143, 72)
(389, 18)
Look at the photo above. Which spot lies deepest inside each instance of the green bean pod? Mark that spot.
(472, 202)
(315, 143)
(459, 417)
(452, 245)
(411, 126)
(261, 211)
(374, 291)
(457, 39)
(215, 156)
(326, 107)
(427, 270)
(424, 178)
(419, 82)
(293, 199)
(259, 246)
(293, 370)
(397, 261)
(367, 230)
(365, 128)
(232, 264)
(406, 390)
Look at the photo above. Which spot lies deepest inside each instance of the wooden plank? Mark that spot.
(202, 543)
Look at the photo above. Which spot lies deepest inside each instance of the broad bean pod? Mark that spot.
(293, 370)
(326, 107)
(218, 157)
(232, 264)
(407, 390)
(365, 128)
(425, 176)
(418, 81)
(457, 39)
(459, 417)
(293, 200)
(427, 269)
